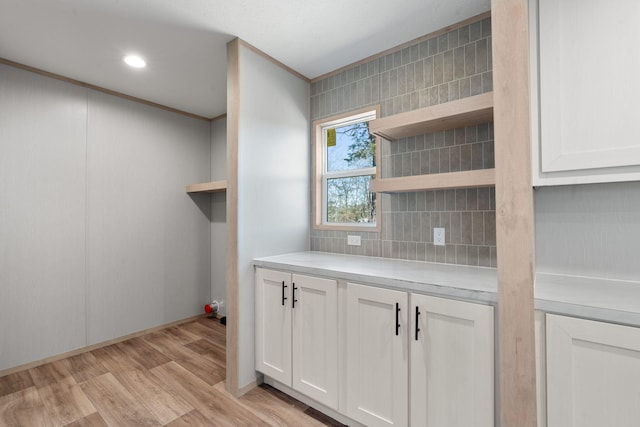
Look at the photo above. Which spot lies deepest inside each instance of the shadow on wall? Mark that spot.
(203, 202)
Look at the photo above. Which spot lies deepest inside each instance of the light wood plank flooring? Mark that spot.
(172, 377)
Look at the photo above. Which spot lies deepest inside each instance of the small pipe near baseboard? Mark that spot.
(214, 307)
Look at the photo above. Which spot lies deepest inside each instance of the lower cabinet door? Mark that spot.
(315, 338)
(377, 356)
(273, 324)
(452, 364)
(593, 373)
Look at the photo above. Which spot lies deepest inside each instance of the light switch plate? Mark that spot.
(354, 240)
(438, 236)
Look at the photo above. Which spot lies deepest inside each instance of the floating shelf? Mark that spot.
(436, 181)
(207, 187)
(468, 111)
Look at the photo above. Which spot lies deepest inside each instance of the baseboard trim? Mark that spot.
(312, 403)
(243, 390)
(81, 350)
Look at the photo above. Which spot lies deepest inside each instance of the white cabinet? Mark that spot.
(593, 373)
(273, 324)
(377, 355)
(452, 365)
(587, 124)
(541, 368)
(428, 363)
(297, 333)
(315, 338)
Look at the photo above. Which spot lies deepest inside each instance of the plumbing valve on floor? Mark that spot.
(213, 308)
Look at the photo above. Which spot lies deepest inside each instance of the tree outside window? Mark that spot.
(349, 151)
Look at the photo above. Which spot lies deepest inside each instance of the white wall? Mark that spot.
(219, 214)
(149, 248)
(98, 238)
(42, 217)
(589, 230)
(273, 179)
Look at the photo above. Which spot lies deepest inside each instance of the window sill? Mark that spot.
(354, 228)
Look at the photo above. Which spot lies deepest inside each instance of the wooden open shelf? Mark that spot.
(436, 181)
(468, 111)
(208, 187)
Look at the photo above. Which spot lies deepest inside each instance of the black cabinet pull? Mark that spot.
(283, 288)
(397, 318)
(293, 303)
(417, 321)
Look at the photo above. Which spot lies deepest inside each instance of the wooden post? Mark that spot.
(233, 106)
(514, 214)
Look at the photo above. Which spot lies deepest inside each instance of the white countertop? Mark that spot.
(602, 299)
(455, 281)
(597, 298)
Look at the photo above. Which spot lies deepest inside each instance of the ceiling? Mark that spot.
(184, 41)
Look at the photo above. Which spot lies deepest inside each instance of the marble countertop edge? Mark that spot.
(589, 297)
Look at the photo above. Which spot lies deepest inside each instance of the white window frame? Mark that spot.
(321, 175)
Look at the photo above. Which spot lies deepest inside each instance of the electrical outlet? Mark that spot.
(354, 240)
(438, 236)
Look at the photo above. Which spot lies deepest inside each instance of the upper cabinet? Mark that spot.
(584, 65)
(460, 113)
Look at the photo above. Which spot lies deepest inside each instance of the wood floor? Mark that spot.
(173, 377)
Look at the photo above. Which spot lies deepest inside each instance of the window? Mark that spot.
(345, 164)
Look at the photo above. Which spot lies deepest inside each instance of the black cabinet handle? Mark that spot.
(417, 321)
(397, 318)
(293, 304)
(283, 288)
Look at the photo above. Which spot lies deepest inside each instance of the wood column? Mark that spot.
(514, 214)
(233, 107)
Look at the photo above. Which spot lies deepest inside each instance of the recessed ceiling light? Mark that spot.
(135, 61)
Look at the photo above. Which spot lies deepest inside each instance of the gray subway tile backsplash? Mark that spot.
(475, 85)
(447, 67)
(475, 31)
